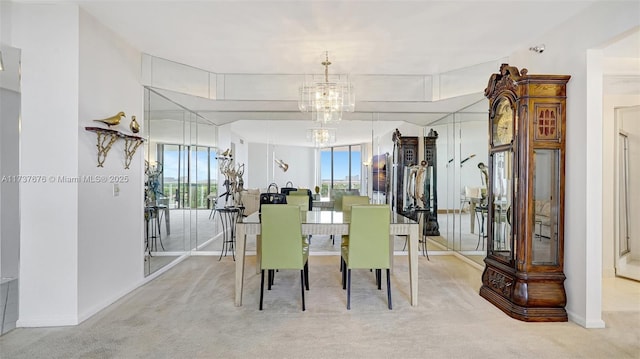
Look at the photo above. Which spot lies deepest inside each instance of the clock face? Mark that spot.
(503, 123)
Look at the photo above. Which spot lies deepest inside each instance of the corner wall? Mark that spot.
(110, 228)
(81, 248)
(567, 53)
(48, 148)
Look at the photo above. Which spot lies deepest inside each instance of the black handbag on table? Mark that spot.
(272, 197)
(288, 187)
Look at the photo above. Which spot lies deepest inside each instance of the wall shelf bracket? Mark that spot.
(107, 137)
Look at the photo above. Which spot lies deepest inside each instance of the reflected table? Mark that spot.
(328, 223)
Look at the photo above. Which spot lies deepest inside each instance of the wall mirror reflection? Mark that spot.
(188, 130)
(181, 179)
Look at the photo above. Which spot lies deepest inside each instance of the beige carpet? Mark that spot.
(188, 312)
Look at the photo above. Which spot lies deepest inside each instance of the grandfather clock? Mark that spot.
(524, 274)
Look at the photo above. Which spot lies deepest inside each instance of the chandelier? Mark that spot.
(326, 100)
(321, 136)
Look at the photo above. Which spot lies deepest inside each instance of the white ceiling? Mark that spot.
(365, 37)
(362, 37)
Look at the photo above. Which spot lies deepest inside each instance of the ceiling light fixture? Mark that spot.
(321, 136)
(327, 100)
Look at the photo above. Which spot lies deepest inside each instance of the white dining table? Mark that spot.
(327, 223)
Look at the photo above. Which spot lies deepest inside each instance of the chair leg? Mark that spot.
(302, 287)
(388, 289)
(379, 278)
(306, 275)
(344, 273)
(261, 287)
(348, 288)
(269, 278)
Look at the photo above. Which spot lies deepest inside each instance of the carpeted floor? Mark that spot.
(188, 312)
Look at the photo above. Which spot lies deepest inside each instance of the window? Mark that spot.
(340, 168)
(189, 174)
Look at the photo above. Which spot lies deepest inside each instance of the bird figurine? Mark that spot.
(227, 153)
(134, 125)
(113, 120)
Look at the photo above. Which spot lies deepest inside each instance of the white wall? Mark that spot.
(301, 161)
(48, 147)
(81, 248)
(566, 53)
(110, 229)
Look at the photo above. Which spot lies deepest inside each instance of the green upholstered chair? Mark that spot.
(281, 247)
(300, 201)
(336, 196)
(368, 245)
(347, 202)
(304, 192)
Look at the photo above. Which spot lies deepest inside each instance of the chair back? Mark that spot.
(304, 192)
(337, 194)
(281, 234)
(369, 236)
(349, 200)
(300, 201)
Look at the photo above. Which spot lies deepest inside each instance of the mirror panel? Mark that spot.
(181, 178)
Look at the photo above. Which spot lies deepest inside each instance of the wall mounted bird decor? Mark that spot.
(113, 120)
(134, 125)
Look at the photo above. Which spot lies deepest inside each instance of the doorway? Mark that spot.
(627, 231)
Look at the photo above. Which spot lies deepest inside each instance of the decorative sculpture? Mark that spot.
(233, 181)
(134, 126)
(113, 120)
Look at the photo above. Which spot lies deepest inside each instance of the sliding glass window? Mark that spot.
(189, 175)
(340, 168)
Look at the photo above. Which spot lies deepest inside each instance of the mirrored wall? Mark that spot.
(462, 155)
(262, 131)
(181, 179)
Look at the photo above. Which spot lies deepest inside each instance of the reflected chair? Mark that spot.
(368, 245)
(300, 201)
(347, 202)
(281, 245)
(304, 192)
(336, 196)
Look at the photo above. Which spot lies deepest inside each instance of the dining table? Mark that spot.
(328, 223)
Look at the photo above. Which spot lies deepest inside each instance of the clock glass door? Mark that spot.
(546, 197)
(500, 205)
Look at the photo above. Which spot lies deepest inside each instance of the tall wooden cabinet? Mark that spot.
(524, 274)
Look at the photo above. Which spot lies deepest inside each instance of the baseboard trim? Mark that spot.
(468, 261)
(581, 321)
(47, 322)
